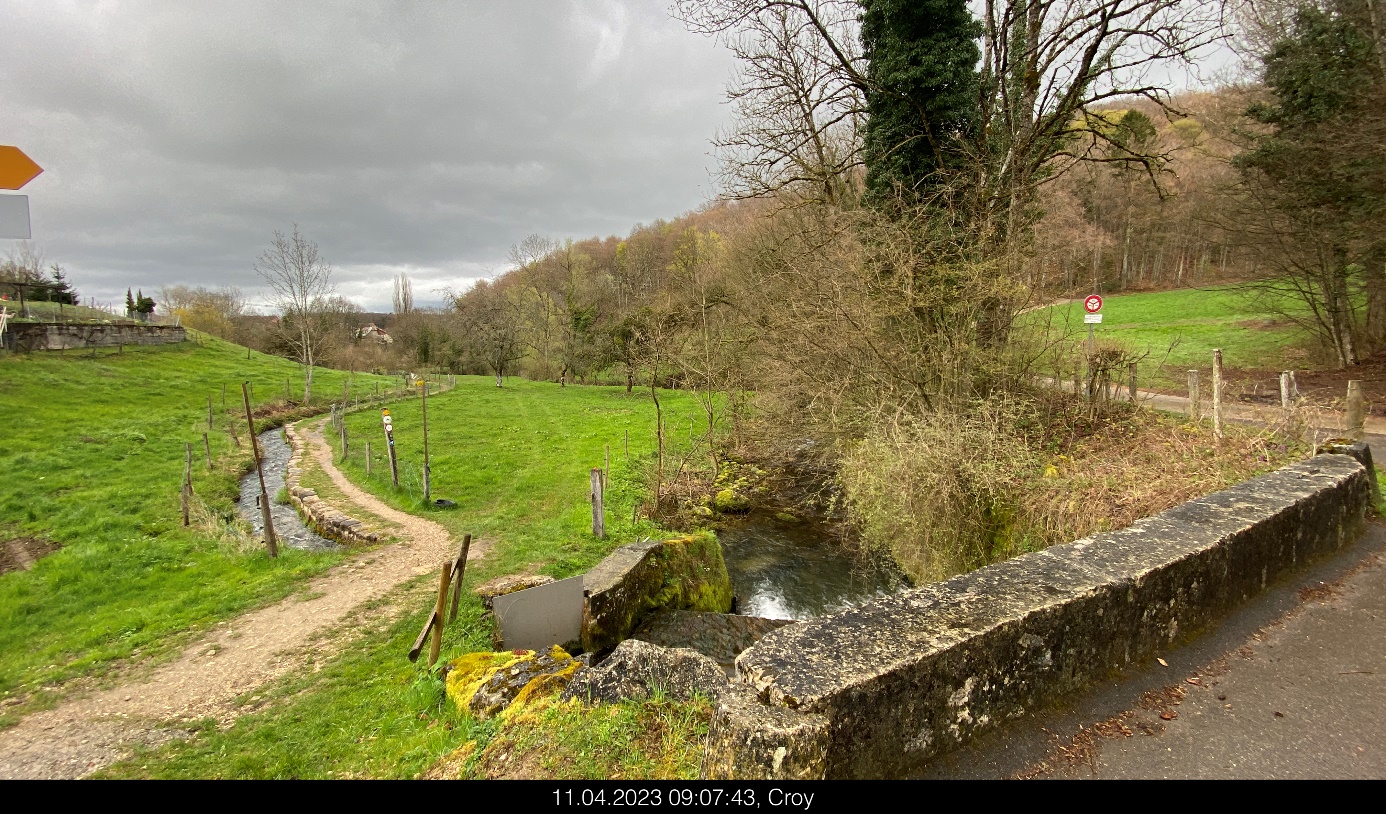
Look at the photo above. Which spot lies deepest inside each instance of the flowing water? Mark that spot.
(796, 571)
(288, 526)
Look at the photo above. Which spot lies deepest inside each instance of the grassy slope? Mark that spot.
(92, 459)
(1250, 332)
(516, 461)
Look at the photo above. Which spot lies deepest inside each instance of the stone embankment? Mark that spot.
(879, 690)
(24, 337)
(316, 512)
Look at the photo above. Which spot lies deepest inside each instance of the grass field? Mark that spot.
(516, 461)
(1179, 330)
(91, 459)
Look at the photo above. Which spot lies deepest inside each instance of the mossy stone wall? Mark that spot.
(685, 573)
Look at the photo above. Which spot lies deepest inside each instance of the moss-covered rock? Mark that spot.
(685, 573)
(730, 501)
(487, 683)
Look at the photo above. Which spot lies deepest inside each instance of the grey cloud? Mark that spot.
(421, 136)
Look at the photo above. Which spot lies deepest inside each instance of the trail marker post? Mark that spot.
(1193, 395)
(389, 425)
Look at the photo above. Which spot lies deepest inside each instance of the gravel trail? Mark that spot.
(85, 734)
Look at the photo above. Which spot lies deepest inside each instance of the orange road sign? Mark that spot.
(16, 168)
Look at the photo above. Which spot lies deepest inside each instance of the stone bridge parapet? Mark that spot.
(878, 690)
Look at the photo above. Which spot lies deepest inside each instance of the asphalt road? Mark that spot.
(1292, 685)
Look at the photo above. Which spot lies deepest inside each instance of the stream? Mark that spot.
(288, 526)
(795, 571)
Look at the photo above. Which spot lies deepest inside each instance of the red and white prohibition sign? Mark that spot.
(1092, 304)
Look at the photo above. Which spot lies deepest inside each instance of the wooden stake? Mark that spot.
(209, 414)
(423, 401)
(1131, 382)
(184, 493)
(207, 447)
(1285, 391)
(598, 512)
(344, 441)
(270, 542)
(1217, 393)
(627, 447)
(1356, 410)
(444, 580)
(368, 459)
(459, 568)
(1193, 395)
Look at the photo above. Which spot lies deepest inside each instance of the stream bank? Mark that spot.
(289, 527)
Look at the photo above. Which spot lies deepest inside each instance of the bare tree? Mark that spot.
(404, 294)
(1045, 64)
(797, 100)
(493, 326)
(302, 284)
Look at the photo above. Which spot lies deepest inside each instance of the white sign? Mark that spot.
(14, 217)
(1090, 318)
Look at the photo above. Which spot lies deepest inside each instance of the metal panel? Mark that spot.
(14, 217)
(535, 618)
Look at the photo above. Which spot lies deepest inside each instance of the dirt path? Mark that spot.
(236, 656)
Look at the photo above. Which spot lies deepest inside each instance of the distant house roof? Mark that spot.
(376, 332)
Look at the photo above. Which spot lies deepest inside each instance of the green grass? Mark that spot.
(92, 458)
(1179, 330)
(517, 461)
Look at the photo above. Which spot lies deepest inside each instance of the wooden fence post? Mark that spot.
(1285, 392)
(207, 447)
(598, 512)
(185, 493)
(1193, 395)
(423, 406)
(1356, 410)
(1217, 393)
(627, 447)
(368, 459)
(209, 414)
(444, 580)
(270, 542)
(344, 441)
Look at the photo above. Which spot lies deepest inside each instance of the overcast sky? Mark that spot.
(419, 136)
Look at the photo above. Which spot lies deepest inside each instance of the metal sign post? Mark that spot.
(390, 443)
(1093, 305)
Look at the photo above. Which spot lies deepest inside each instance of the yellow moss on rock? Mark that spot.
(507, 682)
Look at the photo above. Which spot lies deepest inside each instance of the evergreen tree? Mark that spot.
(129, 303)
(1321, 165)
(922, 65)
